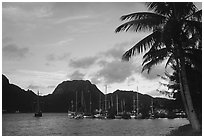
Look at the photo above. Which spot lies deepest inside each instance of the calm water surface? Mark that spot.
(60, 124)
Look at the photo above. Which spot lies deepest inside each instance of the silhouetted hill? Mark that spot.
(144, 102)
(66, 92)
(16, 99)
(64, 96)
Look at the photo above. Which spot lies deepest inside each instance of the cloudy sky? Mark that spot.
(44, 44)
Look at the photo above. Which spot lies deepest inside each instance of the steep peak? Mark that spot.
(5, 80)
(74, 85)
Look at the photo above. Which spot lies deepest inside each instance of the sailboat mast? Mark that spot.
(72, 105)
(105, 98)
(99, 106)
(76, 101)
(82, 101)
(134, 103)
(111, 101)
(90, 101)
(117, 104)
(38, 102)
(152, 110)
(137, 103)
(121, 105)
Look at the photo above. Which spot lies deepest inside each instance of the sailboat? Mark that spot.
(136, 114)
(111, 111)
(99, 114)
(125, 115)
(38, 112)
(133, 116)
(106, 111)
(152, 110)
(89, 115)
(71, 113)
(117, 116)
(80, 115)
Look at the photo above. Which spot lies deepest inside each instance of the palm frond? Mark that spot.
(196, 16)
(155, 53)
(163, 77)
(180, 9)
(148, 24)
(142, 45)
(142, 15)
(154, 57)
(162, 8)
(193, 26)
(171, 60)
(148, 66)
(184, 9)
(194, 57)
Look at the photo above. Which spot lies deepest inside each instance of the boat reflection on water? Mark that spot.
(79, 116)
(38, 112)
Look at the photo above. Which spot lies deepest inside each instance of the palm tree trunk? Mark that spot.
(181, 87)
(186, 91)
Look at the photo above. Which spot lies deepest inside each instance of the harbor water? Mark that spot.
(59, 124)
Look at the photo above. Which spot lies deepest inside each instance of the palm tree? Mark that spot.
(176, 30)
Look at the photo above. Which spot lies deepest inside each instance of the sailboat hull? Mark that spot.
(39, 114)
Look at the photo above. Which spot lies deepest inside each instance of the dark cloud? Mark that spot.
(83, 62)
(31, 86)
(155, 71)
(53, 57)
(12, 51)
(37, 87)
(117, 51)
(115, 71)
(51, 86)
(6, 40)
(77, 76)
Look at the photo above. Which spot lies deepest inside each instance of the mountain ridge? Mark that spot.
(63, 98)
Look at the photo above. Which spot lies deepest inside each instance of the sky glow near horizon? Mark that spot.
(46, 43)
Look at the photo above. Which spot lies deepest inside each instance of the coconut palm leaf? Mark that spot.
(160, 7)
(197, 16)
(183, 9)
(180, 9)
(171, 60)
(141, 46)
(154, 54)
(194, 58)
(193, 27)
(148, 66)
(149, 55)
(142, 15)
(139, 25)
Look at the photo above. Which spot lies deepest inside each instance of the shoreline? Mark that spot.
(185, 130)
